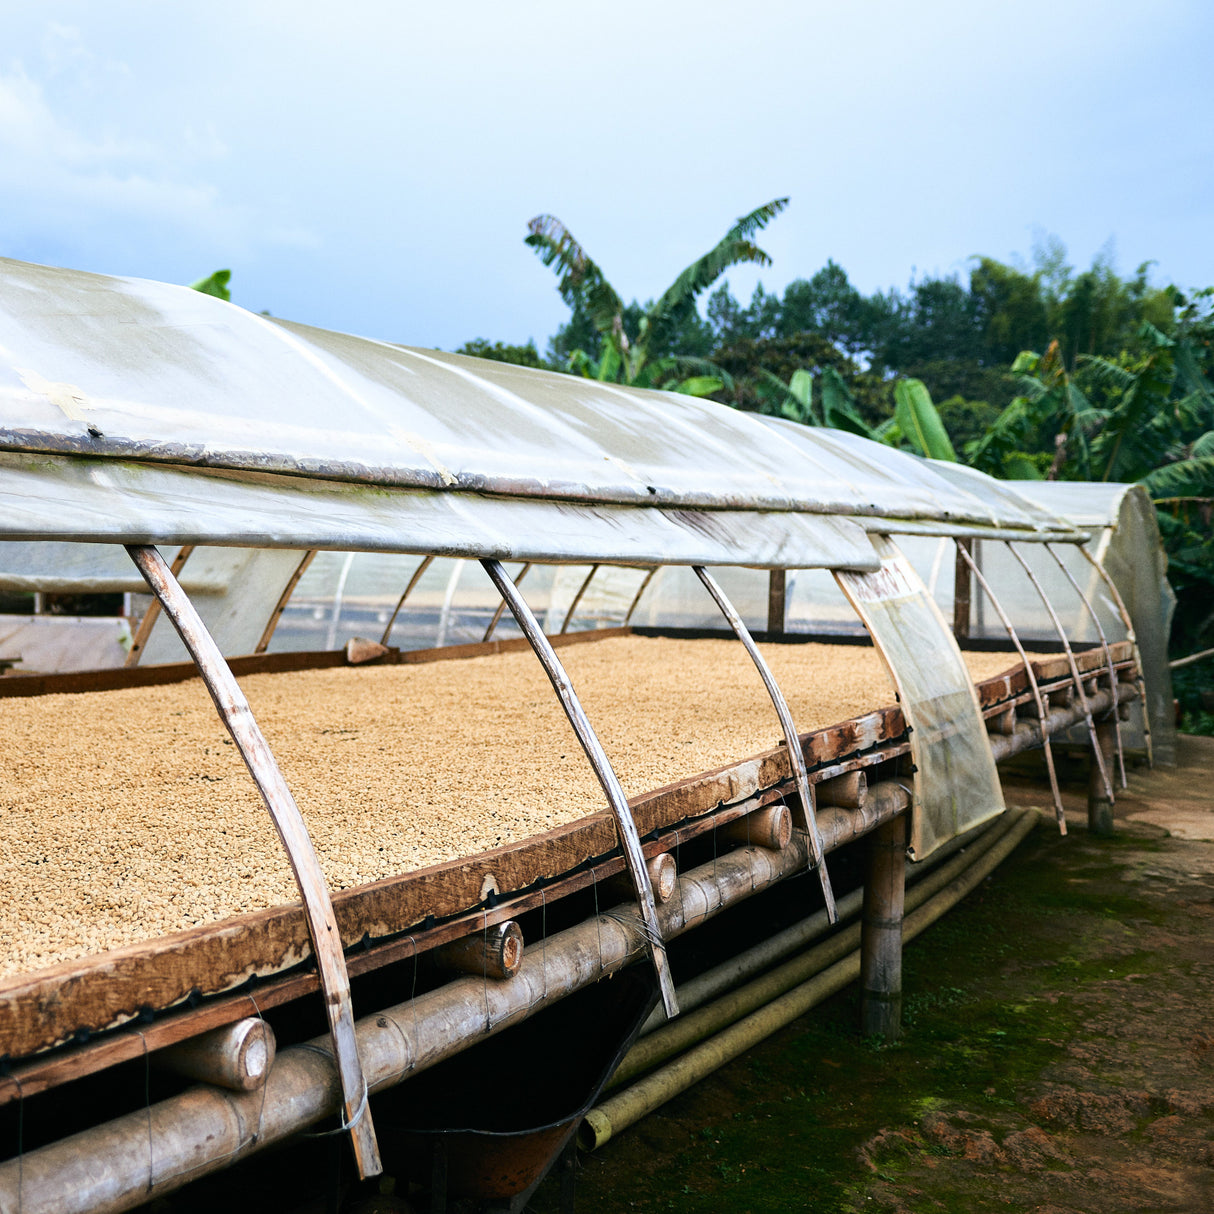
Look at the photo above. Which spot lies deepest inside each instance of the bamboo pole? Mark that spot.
(496, 952)
(924, 878)
(1100, 807)
(234, 711)
(626, 828)
(631, 1104)
(1108, 654)
(283, 599)
(881, 931)
(153, 612)
(769, 827)
(236, 1056)
(796, 756)
(1070, 656)
(1132, 637)
(417, 577)
(1059, 813)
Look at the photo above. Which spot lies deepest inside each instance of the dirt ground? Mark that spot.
(1058, 1052)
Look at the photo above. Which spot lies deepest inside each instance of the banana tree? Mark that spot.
(627, 357)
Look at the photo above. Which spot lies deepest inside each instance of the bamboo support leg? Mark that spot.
(881, 933)
(1100, 806)
(234, 711)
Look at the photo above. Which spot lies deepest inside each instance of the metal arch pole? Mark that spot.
(1070, 656)
(149, 616)
(417, 577)
(1032, 677)
(636, 598)
(497, 615)
(796, 757)
(1132, 637)
(634, 857)
(234, 711)
(283, 599)
(577, 598)
(1108, 657)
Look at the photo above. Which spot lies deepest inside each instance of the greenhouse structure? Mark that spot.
(369, 707)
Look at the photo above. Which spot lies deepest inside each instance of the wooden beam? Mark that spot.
(777, 606)
(962, 590)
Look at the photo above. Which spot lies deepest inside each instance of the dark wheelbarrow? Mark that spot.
(482, 1130)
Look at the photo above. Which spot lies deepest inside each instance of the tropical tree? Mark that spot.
(215, 284)
(628, 352)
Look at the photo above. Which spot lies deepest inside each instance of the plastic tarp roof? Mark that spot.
(108, 379)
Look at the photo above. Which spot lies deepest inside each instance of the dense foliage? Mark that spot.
(1024, 371)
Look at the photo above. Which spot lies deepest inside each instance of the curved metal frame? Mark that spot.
(497, 615)
(140, 639)
(283, 599)
(636, 598)
(630, 842)
(577, 598)
(796, 757)
(1108, 657)
(1132, 637)
(1075, 675)
(234, 711)
(417, 577)
(1032, 678)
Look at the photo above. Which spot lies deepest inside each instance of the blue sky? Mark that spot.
(371, 166)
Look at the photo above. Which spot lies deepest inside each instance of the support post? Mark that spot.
(961, 589)
(1100, 804)
(881, 931)
(777, 605)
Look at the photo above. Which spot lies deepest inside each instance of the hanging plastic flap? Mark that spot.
(956, 785)
(106, 500)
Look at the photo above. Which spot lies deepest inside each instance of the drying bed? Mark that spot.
(128, 814)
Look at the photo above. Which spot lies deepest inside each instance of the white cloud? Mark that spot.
(57, 177)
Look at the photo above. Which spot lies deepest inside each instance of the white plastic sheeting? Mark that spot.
(126, 370)
(956, 786)
(1126, 542)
